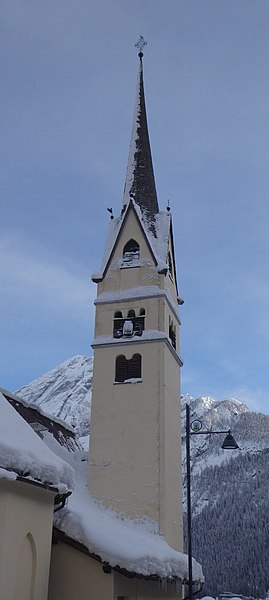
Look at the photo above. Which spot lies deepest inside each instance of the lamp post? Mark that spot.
(228, 443)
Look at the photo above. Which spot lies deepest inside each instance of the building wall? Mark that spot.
(171, 524)
(134, 458)
(141, 589)
(123, 457)
(26, 513)
(76, 576)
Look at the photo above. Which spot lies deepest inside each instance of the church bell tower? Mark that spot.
(135, 455)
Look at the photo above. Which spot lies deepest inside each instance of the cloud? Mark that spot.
(255, 399)
(36, 278)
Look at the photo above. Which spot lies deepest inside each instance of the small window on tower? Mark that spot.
(139, 322)
(135, 367)
(131, 253)
(118, 314)
(128, 369)
(131, 314)
(121, 368)
(118, 324)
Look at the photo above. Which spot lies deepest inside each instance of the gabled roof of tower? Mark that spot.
(158, 243)
(140, 182)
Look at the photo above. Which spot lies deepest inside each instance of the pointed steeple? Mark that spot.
(140, 182)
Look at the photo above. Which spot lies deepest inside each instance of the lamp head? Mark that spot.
(229, 442)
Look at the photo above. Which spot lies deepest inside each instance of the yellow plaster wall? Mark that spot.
(135, 455)
(76, 576)
(26, 514)
(123, 458)
(170, 444)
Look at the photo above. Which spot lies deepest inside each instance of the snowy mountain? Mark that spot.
(229, 488)
(65, 392)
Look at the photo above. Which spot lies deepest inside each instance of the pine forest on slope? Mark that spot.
(229, 489)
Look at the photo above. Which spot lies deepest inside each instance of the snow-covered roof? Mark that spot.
(158, 243)
(120, 541)
(34, 406)
(24, 453)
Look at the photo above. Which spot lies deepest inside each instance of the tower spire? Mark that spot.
(140, 182)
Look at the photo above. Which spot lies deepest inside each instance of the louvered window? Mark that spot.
(121, 368)
(134, 367)
(128, 369)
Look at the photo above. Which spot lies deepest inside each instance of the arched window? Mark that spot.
(121, 368)
(118, 324)
(128, 369)
(139, 322)
(131, 314)
(135, 366)
(131, 253)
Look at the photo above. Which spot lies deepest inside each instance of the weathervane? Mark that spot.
(140, 45)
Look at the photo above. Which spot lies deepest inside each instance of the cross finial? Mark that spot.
(140, 45)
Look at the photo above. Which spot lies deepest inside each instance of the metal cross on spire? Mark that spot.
(140, 45)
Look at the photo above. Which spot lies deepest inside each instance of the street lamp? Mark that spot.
(228, 443)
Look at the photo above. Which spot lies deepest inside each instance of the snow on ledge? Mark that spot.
(147, 334)
(142, 291)
(22, 451)
(121, 541)
(10, 475)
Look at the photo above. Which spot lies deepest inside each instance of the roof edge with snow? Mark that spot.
(59, 535)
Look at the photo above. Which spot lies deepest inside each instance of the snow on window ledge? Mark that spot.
(131, 380)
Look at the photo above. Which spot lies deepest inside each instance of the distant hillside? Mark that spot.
(229, 488)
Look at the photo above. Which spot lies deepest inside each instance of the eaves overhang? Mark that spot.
(60, 536)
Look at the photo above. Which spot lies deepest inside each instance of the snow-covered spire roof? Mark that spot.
(140, 182)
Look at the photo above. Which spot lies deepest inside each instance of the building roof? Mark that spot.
(129, 545)
(24, 454)
(40, 421)
(140, 181)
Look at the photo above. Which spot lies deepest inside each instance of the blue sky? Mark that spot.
(68, 73)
